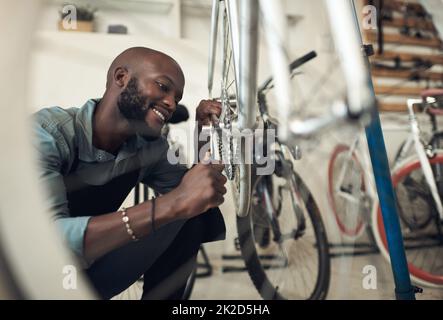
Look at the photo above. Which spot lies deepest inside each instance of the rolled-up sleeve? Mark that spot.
(50, 163)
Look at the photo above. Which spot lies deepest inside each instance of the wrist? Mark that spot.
(174, 204)
(180, 204)
(165, 212)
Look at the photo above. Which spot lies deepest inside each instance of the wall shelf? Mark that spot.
(398, 91)
(409, 57)
(406, 74)
(146, 6)
(405, 40)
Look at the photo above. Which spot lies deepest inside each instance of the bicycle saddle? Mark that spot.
(434, 92)
(181, 114)
(435, 107)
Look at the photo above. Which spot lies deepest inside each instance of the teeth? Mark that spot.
(159, 114)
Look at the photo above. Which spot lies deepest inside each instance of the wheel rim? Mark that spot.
(351, 231)
(229, 146)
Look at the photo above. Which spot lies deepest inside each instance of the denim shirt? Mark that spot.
(63, 134)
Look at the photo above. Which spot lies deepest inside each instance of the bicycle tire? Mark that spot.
(420, 241)
(190, 284)
(334, 167)
(229, 93)
(31, 266)
(259, 273)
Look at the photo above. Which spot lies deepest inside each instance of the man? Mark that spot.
(93, 156)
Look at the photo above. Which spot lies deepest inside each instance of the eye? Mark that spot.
(163, 87)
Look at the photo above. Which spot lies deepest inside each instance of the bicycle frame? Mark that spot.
(359, 103)
(263, 185)
(414, 140)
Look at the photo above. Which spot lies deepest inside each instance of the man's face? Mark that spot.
(149, 101)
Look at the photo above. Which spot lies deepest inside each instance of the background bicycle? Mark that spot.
(283, 239)
(353, 199)
(417, 181)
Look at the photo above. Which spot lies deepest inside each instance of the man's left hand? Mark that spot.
(206, 110)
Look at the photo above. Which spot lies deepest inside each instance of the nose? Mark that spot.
(169, 102)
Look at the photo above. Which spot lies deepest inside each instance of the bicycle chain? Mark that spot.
(225, 154)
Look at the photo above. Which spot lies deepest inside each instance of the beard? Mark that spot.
(134, 107)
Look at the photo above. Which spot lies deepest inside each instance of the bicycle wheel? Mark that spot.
(422, 235)
(34, 263)
(300, 267)
(231, 146)
(190, 284)
(346, 191)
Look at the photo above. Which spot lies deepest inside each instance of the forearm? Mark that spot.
(107, 232)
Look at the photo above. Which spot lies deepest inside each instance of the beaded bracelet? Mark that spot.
(129, 230)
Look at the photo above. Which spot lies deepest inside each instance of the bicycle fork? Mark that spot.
(272, 216)
(270, 210)
(346, 191)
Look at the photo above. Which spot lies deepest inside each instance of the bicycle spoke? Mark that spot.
(230, 84)
(227, 70)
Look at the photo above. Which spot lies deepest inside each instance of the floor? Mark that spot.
(346, 285)
(229, 280)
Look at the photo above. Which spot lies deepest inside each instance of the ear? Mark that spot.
(121, 77)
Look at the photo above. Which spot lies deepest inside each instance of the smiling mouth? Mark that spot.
(159, 114)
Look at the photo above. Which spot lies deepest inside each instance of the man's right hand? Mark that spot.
(201, 188)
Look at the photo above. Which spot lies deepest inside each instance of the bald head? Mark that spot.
(141, 59)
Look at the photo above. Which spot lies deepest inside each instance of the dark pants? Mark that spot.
(166, 258)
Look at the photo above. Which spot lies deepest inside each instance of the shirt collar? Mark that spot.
(86, 150)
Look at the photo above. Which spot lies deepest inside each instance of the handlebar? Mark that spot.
(292, 66)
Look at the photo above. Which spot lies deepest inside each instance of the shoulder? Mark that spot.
(54, 132)
(54, 117)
